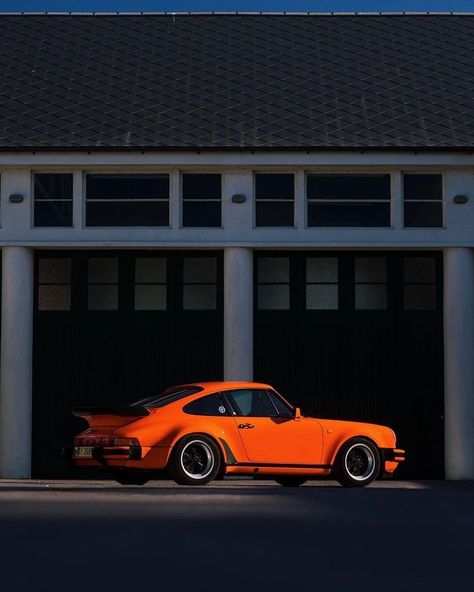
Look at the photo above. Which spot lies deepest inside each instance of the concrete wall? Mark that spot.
(238, 219)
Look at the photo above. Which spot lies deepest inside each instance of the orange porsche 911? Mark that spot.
(199, 432)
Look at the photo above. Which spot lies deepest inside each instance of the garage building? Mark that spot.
(281, 197)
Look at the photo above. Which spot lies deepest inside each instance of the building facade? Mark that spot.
(282, 198)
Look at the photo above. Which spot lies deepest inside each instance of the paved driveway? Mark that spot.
(235, 535)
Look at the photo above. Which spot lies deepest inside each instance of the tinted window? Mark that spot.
(201, 200)
(252, 403)
(210, 405)
(53, 199)
(274, 196)
(169, 396)
(348, 200)
(127, 200)
(423, 200)
(284, 410)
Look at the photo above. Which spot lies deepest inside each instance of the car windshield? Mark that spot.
(168, 396)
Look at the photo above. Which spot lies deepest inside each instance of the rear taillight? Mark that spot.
(125, 442)
(105, 441)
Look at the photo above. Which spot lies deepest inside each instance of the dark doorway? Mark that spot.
(357, 336)
(113, 327)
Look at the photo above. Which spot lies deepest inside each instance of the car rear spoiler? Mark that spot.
(125, 410)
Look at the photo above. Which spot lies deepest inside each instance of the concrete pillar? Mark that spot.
(16, 362)
(238, 313)
(459, 362)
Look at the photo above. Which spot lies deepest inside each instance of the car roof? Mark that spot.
(228, 385)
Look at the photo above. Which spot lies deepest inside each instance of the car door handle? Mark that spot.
(246, 426)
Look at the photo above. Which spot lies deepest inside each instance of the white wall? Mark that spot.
(238, 219)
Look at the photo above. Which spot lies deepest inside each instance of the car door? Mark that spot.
(269, 431)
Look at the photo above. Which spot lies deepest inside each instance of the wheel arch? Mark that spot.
(344, 440)
(216, 441)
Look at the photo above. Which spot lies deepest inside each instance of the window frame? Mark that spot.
(182, 199)
(351, 173)
(268, 200)
(168, 173)
(48, 171)
(442, 201)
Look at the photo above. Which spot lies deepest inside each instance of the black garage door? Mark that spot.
(114, 327)
(357, 336)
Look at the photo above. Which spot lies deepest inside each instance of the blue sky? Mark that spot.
(234, 5)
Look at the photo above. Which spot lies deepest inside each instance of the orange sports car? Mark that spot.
(199, 432)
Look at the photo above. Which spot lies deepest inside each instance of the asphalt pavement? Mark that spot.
(235, 535)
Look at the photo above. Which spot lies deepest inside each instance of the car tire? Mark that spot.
(357, 463)
(195, 460)
(291, 481)
(132, 479)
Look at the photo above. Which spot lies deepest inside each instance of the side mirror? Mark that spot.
(297, 415)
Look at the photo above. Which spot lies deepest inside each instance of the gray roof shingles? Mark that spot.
(236, 81)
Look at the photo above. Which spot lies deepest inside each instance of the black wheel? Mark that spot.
(132, 479)
(290, 481)
(195, 460)
(357, 463)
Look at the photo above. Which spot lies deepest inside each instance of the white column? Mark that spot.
(459, 362)
(16, 362)
(238, 313)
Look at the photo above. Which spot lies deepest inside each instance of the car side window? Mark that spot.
(212, 405)
(284, 410)
(252, 403)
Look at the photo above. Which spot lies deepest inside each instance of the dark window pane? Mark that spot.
(252, 403)
(423, 187)
(422, 215)
(53, 186)
(283, 409)
(211, 405)
(53, 213)
(127, 187)
(201, 214)
(274, 186)
(201, 186)
(127, 214)
(367, 214)
(274, 213)
(348, 186)
(419, 297)
(419, 270)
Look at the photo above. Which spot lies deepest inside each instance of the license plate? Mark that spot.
(83, 451)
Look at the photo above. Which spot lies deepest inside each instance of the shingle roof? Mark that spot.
(236, 81)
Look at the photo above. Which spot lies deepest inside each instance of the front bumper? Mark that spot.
(100, 454)
(393, 454)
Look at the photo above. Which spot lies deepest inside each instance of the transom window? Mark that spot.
(275, 199)
(423, 200)
(127, 200)
(348, 200)
(53, 199)
(273, 283)
(54, 283)
(201, 200)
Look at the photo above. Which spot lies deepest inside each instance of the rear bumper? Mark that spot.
(121, 457)
(102, 454)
